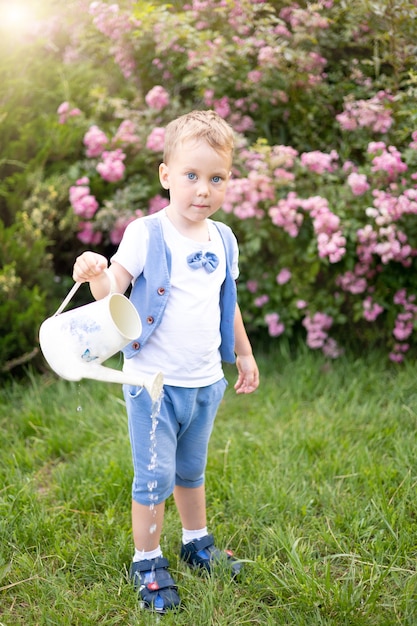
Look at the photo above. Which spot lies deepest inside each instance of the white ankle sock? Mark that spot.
(191, 535)
(142, 555)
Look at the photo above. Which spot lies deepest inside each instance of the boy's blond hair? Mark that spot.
(196, 125)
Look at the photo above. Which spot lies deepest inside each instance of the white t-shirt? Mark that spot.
(185, 346)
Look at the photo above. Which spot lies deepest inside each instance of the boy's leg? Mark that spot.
(154, 466)
(147, 525)
(149, 570)
(191, 505)
(199, 549)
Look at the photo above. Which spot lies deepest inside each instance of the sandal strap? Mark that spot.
(158, 575)
(150, 564)
(203, 543)
(207, 543)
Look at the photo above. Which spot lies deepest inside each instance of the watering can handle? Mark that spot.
(75, 288)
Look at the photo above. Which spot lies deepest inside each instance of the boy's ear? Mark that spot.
(164, 175)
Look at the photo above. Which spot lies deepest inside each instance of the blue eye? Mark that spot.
(191, 176)
(217, 179)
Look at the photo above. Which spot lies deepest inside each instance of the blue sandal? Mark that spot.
(156, 588)
(203, 553)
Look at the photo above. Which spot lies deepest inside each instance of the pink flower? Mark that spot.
(331, 246)
(209, 97)
(396, 357)
(393, 246)
(83, 203)
(275, 327)
(117, 25)
(400, 297)
(261, 300)
(283, 276)
(119, 228)
(389, 161)
(222, 106)
(266, 56)
(402, 330)
(319, 162)
(331, 349)
(376, 146)
(404, 324)
(370, 113)
(371, 309)
(346, 121)
(285, 214)
(87, 234)
(350, 281)
(330, 241)
(157, 203)
(157, 98)
(358, 183)
(252, 286)
(125, 134)
(241, 123)
(63, 108)
(244, 195)
(413, 144)
(317, 327)
(155, 141)
(63, 112)
(255, 76)
(112, 167)
(95, 141)
(76, 192)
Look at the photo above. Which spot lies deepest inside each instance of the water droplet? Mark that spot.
(79, 409)
(152, 529)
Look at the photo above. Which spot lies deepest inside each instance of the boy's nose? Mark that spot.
(203, 188)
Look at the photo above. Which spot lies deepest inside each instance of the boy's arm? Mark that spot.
(248, 379)
(89, 267)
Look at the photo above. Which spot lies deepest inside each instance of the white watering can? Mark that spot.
(76, 343)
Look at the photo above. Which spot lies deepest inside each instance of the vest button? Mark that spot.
(135, 345)
(161, 291)
(150, 319)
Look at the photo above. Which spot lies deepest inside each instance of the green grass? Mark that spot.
(311, 480)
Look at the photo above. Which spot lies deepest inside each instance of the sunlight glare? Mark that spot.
(16, 17)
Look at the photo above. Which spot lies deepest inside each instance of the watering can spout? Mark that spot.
(152, 384)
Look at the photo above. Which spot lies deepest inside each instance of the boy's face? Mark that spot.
(197, 178)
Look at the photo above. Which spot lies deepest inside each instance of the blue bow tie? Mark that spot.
(208, 260)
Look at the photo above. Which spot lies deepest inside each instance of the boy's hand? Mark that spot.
(248, 379)
(88, 266)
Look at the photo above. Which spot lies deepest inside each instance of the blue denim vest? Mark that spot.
(150, 292)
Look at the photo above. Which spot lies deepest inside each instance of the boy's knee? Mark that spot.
(190, 479)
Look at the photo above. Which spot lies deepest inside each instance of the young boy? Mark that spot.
(183, 268)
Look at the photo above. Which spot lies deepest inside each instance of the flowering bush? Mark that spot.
(337, 258)
(326, 218)
(323, 193)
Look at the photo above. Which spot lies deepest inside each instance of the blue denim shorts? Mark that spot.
(170, 448)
